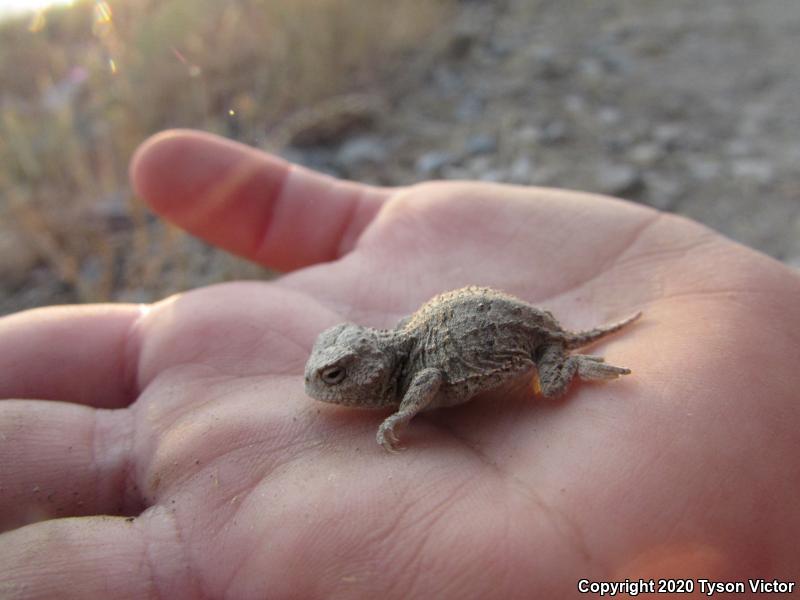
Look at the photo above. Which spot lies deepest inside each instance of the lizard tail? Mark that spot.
(579, 339)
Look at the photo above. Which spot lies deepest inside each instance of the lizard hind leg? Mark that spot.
(557, 369)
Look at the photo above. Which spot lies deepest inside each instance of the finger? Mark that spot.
(81, 354)
(95, 557)
(250, 203)
(62, 460)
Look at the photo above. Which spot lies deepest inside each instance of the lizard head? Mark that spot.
(348, 365)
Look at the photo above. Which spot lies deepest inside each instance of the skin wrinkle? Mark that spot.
(93, 458)
(361, 312)
(132, 499)
(275, 468)
(268, 472)
(227, 586)
(334, 306)
(215, 195)
(202, 473)
(520, 233)
(245, 562)
(417, 552)
(131, 353)
(349, 232)
(446, 499)
(395, 215)
(388, 532)
(289, 343)
(152, 570)
(267, 219)
(131, 358)
(674, 252)
(146, 562)
(386, 528)
(191, 575)
(402, 567)
(147, 485)
(412, 571)
(180, 407)
(577, 540)
(505, 574)
(716, 292)
(247, 554)
(362, 293)
(608, 263)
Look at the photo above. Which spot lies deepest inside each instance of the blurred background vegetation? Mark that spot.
(82, 86)
(688, 107)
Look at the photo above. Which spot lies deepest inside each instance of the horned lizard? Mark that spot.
(457, 344)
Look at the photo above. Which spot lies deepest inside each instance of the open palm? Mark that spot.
(190, 414)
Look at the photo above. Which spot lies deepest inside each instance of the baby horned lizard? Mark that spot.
(456, 345)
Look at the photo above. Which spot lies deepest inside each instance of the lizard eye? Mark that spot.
(333, 375)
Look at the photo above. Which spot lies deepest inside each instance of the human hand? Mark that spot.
(190, 414)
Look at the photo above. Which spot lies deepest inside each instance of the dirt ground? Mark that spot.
(689, 107)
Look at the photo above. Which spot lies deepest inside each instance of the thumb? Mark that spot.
(251, 203)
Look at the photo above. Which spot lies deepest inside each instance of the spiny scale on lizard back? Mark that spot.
(478, 300)
(475, 333)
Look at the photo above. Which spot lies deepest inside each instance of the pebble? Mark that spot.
(521, 170)
(592, 69)
(478, 165)
(134, 295)
(530, 133)
(456, 172)
(319, 158)
(663, 192)
(470, 108)
(481, 143)
(575, 104)
(366, 149)
(111, 212)
(669, 134)
(553, 132)
(608, 115)
(431, 163)
(549, 175)
(738, 147)
(461, 44)
(92, 271)
(17, 258)
(493, 175)
(617, 179)
(646, 154)
(703, 169)
(758, 170)
(547, 63)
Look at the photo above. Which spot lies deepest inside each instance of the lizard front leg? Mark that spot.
(420, 394)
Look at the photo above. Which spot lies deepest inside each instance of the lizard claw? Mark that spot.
(387, 436)
(594, 357)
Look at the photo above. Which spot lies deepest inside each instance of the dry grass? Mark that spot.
(81, 87)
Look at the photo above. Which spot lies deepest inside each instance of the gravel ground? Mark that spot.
(689, 107)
